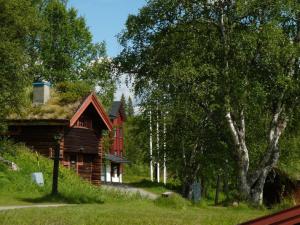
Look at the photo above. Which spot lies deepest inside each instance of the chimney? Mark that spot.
(41, 92)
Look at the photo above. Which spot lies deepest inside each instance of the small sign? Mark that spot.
(38, 178)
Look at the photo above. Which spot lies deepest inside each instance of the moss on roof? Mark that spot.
(58, 107)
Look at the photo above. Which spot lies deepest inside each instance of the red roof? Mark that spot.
(92, 99)
(286, 217)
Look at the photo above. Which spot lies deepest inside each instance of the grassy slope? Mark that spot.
(117, 208)
(16, 186)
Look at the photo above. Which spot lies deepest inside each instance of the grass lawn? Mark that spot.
(93, 205)
(128, 212)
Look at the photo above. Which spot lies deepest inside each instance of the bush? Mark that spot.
(173, 201)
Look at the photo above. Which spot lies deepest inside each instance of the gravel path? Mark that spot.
(128, 189)
(2, 208)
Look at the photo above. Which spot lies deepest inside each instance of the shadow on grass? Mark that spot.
(60, 198)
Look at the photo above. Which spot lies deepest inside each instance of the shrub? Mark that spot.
(173, 201)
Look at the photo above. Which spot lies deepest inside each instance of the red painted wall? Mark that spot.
(117, 135)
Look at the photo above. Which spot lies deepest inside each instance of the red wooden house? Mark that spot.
(79, 126)
(113, 165)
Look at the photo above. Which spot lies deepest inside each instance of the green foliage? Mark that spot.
(136, 139)
(64, 44)
(72, 91)
(129, 108)
(206, 59)
(46, 40)
(16, 27)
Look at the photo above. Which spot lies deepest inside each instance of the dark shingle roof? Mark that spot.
(116, 107)
(113, 113)
(116, 159)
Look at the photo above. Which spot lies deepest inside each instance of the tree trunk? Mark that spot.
(225, 186)
(217, 190)
(256, 195)
(150, 146)
(187, 189)
(251, 185)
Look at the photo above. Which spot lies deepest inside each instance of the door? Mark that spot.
(73, 162)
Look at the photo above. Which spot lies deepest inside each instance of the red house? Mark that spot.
(113, 165)
(76, 127)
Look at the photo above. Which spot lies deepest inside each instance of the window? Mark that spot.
(52, 153)
(120, 132)
(84, 122)
(115, 170)
(115, 132)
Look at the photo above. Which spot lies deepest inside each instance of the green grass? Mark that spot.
(131, 212)
(108, 207)
(17, 187)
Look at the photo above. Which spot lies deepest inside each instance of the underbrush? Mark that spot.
(72, 189)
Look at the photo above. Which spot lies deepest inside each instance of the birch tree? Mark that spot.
(238, 60)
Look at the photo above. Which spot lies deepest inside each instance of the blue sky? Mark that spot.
(106, 18)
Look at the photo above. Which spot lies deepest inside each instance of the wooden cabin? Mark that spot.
(113, 164)
(75, 128)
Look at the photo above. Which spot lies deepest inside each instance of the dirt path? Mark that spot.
(2, 208)
(128, 189)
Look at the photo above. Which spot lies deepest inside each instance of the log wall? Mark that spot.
(39, 138)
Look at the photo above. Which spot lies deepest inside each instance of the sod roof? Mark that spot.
(56, 108)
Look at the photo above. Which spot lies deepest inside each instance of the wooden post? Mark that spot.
(56, 165)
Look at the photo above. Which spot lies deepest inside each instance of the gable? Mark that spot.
(92, 101)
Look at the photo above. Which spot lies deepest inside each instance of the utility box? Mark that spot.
(196, 192)
(38, 178)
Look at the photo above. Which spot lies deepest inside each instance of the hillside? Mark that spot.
(17, 187)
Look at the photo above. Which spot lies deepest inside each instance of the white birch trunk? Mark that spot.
(251, 185)
(165, 154)
(157, 145)
(151, 147)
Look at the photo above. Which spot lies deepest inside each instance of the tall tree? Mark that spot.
(227, 62)
(129, 107)
(62, 50)
(18, 21)
(65, 43)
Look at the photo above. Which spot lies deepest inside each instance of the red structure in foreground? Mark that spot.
(286, 217)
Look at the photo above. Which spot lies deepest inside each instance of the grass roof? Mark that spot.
(63, 104)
